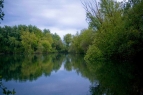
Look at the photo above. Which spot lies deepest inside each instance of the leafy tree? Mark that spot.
(118, 29)
(67, 39)
(29, 67)
(46, 45)
(108, 16)
(133, 35)
(46, 31)
(57, 44)
(75, 44)
(82, 41)
(1, 12)
(29, 41)
(86, 37)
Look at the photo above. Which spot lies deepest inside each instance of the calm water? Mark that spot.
(61, 74)
(53, 74)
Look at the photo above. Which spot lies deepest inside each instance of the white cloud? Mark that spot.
(60, 16)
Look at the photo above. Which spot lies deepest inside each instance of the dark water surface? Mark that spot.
(62, 74)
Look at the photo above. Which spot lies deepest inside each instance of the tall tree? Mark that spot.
(57, 44)
(67, 39)
(81, 42)
(105, 18)
(29, 41)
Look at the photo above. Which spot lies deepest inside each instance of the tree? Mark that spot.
(106, 19)
(1, 12)
(118, 29)
(75, 44)
(46, 31)
(67, 40)
(29, 41)
(86, 36)
(81, 42)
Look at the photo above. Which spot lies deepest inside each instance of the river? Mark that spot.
(66, 74)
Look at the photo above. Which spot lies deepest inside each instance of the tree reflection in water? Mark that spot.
(5, 90)
(29, 67)
(106, 77)
(117, 78)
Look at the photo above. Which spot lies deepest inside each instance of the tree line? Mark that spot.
(29, 39)
(115, 30)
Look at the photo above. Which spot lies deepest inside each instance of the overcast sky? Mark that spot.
(60, 16)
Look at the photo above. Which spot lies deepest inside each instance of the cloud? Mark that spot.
(60, 16)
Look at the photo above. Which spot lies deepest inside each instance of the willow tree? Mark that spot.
(118, 29)
(105, 18)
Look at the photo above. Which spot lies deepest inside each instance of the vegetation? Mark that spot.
(67, 40)
(106, 77)
(115, 31)
(28, 39)
(118, 29)
(29, 67)
(1, 12)
(81, 42)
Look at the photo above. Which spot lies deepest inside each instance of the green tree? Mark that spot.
(29, 41)
(81, 42)
(108, 28)
(118, 29)
(1, 12)
(67, 39)
(75, 44)
(57, 45)
(46, 31)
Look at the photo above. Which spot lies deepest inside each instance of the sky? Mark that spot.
(59, 16)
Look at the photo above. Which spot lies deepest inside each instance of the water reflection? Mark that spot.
(29, 73)
(117, 78)
(29, 67)
(66, 73)
(77, 63)
(5, 90)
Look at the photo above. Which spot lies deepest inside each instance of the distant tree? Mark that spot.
(46, 31)
(57, 44)
(29, 41)
(1, 12)
(67, 39)
(81, 42)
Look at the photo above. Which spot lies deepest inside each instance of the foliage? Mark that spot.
(114, 78)
(115, 31)
(118, 29)
(57, 44)
(29, 67)
(67, 40)
(1, 12)
(81, 42)
(28, 39)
